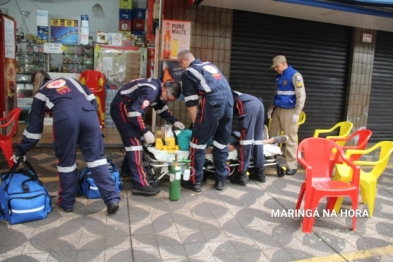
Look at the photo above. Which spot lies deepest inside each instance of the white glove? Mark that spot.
(295, 118)
(269, 113)
(179, 125)
(149, 138)
(15, 158)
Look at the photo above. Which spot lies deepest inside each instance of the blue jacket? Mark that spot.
(201, 78)
(285, 96)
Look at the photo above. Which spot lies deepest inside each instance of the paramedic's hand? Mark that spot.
(269, 113)
(295, 118)
(149, 138)
(15, 158)
(179, 125)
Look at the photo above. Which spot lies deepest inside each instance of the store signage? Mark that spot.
(53, 48)
(367, 38)
(176, 36)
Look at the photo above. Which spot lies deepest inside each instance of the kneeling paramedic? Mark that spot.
(128, 109)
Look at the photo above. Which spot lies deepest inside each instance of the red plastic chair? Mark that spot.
(9, 127)
(359, 139)
(314, 155)
(95, 81)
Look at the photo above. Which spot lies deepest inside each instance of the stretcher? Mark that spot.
(160, 160)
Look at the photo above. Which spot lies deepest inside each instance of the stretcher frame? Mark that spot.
(153, 165)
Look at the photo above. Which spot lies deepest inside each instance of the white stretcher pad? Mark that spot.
(269, 150)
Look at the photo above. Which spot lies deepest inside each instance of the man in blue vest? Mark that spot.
(212, 118)
(75, 122)
(286, 107)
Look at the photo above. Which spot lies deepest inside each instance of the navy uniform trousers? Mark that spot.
(214, 119)
(251, 122)
(75, 125)
(131, 138)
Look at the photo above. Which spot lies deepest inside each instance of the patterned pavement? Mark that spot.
(235, 224)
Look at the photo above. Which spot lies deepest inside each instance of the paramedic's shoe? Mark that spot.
(259, 175)
(220, 185)
(239, 178)
(124, 174)
(197, 187)
(112, 207)
(66, 210)
(291, 172)
(280, 139)
(147, 191)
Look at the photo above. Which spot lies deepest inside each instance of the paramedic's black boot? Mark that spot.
(220, 185)
(259, 175)
(112, 207)
(239, 178)
(147, 191)
(197, 187)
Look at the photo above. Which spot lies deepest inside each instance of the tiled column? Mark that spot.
(361, 71)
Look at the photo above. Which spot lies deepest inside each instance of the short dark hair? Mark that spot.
(173, 88)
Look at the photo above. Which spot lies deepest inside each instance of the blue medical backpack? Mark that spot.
(87, 186)
(23, 197)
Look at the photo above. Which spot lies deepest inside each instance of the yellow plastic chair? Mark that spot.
(344, 128)
(302, 120)
(368, 178)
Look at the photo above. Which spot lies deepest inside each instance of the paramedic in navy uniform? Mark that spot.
(128, 109)
(211, 119)
(75, 121)
(251, 114)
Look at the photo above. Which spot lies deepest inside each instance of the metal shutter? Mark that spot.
(319, 51)
(381, 96)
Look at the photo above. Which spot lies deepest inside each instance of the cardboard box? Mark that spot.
(127, 38)
(102, 37)
(139, 13)
(125, 4)
(125, 25)
(125, 14)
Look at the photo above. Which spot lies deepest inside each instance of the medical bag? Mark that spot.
(87, 186)
(23, 197)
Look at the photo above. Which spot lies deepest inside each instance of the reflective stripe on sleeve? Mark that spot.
(45, 99)
(66, 169)
(193, 97)
(99, 162)
(201, 79)
(31, 135)
(162, 109)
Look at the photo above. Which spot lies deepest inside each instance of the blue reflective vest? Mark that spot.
(285, 96)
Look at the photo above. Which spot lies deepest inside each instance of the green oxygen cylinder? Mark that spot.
(174, 181)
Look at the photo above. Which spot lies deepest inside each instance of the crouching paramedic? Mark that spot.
(128, 109)
(250, 112)
(75, 121)
(211, 119)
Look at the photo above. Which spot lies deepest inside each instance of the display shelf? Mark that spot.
(74, 59)
(30, 57)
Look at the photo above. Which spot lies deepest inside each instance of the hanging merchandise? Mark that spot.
(84, 32)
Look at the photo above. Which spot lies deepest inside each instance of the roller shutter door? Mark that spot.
(381, 96)
(319, 51)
